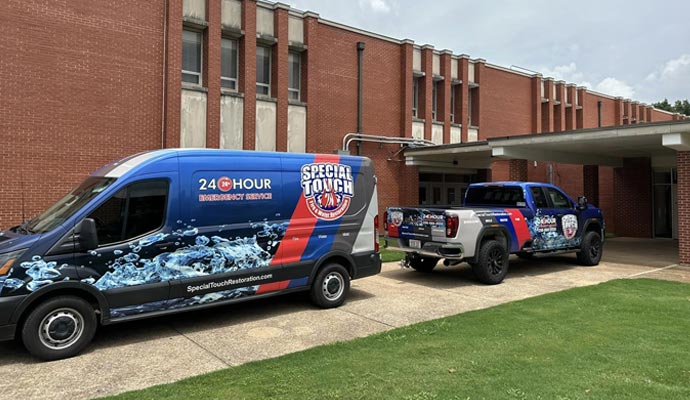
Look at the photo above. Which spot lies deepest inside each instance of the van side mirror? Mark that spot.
(88, 236)
(582, 203)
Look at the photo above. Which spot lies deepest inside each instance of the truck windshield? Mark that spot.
(68, 205)
(495, 196)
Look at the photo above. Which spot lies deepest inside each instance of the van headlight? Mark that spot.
(7, 260)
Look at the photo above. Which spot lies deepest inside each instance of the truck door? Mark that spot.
(562, 215)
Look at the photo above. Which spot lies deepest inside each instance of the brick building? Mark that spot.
(85, 82)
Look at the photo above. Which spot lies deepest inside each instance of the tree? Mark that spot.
(680, 106)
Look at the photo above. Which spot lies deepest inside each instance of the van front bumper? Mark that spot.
(8, 306)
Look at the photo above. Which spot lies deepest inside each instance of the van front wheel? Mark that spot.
(58, 328)
(331, 286)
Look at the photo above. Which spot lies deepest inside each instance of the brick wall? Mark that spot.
(82, 86)
(506, 104)
(632, 186)
(684, 206)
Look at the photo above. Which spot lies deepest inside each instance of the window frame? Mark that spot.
(415, 97)
(235, 80)
(200, 74)
(292, 90)
(270, 70)
(434, 101)
(124, 226)
(453, 89)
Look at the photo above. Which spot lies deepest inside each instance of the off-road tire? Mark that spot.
(492, 263)
(591, 249)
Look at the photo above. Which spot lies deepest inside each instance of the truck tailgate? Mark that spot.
(416, 223)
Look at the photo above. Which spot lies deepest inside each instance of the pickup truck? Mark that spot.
(497, 219)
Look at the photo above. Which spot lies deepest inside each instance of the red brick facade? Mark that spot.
(86, 82)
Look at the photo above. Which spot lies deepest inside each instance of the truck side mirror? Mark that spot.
(88, 236)
(582, 203)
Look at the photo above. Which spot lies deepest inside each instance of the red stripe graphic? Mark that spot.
(297, 235)
(520, 225)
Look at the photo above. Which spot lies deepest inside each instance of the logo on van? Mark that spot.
(328, 189)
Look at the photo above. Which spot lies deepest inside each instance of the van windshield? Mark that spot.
(68, 205)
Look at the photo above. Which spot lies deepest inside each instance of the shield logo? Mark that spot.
(569, 223)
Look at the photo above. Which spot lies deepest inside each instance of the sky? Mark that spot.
(633, 49)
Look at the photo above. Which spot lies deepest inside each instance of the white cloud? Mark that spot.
(568, 73)
(678, 67)
(615, 87)
(380, 6)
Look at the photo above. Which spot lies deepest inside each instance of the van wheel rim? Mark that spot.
(333, 286)
(61, 328)
(496, 261)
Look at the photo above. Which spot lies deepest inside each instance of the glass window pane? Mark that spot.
(558, 199)
(539, 198)
(294, 71)
(263, 65)
(146, 210)
(109, 218)
(191, 51)
(228, 59)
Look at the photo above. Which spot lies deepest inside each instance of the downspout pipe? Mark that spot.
(360, 87)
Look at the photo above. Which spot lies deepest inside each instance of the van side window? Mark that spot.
(133, 211)
(558, 199)
(539, 198)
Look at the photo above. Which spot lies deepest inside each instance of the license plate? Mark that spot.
(415, 244)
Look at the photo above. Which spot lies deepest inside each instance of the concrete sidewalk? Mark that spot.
(142, 354)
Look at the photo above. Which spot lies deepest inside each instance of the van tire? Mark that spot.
(492, 263)
(422, 263)
(331, 286)
(59, 328)
(591, 249)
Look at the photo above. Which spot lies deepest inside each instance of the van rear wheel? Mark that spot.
(58, 328)
(331, 286)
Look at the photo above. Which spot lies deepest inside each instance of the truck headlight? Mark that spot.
(7, 261)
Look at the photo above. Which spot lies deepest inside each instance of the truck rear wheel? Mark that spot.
(492, 263)
(591, 249)
(58, 328)
(331, 286)
(422, 263)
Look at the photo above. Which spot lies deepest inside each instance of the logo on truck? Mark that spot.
(328, 189)
(569, 222)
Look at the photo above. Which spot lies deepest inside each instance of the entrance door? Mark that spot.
(442, 189)
(665, 203)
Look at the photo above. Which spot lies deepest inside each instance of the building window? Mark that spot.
(452, 103)
(191, 57)
(294, 75)
(263, 71)
(415, 97)
(229, 59)
(434, 104)
(470, 107)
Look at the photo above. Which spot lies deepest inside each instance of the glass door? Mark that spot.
(665, 204)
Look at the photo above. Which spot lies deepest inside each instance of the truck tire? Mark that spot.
(331, 286)
(58, 328)
(591, 249)
(422, 263)
(492, 263)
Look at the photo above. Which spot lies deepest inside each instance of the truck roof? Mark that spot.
(510, 183)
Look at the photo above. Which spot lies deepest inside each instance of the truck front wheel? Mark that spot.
(591, 249)
(422, 263)
(492, 263)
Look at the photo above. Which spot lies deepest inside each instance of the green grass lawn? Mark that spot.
(626, 339)
(390, 255)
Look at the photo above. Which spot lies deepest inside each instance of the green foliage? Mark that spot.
(680, 106)
(625, 339)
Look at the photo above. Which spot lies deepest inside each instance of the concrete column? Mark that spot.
(463, 64)
(173, 80)
(559, 110)
(280, 75)
(683, 164)
(618, 111)
(426, 89)
(632, 194)
(444, 95)
(212, 73)
(590, 178)
(407, 49)
(536, 104)
(247, 84)
(548, 108)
